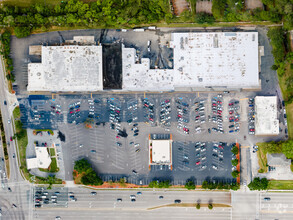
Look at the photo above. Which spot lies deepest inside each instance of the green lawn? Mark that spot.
(52, 152)
(281, 184)
(53, 166)
(289, 112)
(22, 142)
(41, 180)
(16, 112)
(262, 157)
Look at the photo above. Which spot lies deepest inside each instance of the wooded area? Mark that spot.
(131, 13)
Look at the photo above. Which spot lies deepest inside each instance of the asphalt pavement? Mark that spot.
(15, 178)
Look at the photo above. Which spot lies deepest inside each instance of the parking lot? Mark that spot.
(112, 132)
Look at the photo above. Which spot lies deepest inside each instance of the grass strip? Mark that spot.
(219, 205)
(281, 184)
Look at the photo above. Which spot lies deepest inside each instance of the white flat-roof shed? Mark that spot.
(160, 152)
(266, 115)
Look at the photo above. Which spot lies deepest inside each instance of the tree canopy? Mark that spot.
(82, 165)
(89, 176)
(190, 185)
(159, 184)
(258, 184)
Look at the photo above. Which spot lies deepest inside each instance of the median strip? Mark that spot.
(193, 205)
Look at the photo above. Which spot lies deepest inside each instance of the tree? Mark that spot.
(277, 37)
(258, 184)
(235, 150)
(234, 186)
(287, 148)
(164, 184)
(91, 178)
(82, 165)
(235, 162)
(273, 147)
(218, 8)
(204, 18)
(21, 32)
(190, 185)
(198, 206)
(154, 184)
(204, 184)
(210, 206)
(159, 184)
(235, 173)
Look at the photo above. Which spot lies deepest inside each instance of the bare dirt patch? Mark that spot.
(180, 6)
(253, 4)
(204, 6)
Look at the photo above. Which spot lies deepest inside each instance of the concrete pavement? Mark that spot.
(15, 176)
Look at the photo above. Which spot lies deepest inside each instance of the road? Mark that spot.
(15, 181)
(104, 205)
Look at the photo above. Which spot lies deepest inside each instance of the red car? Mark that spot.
(167, 101)
(231, 112)
(214, 104)
(220, 146)
(236, 119)
(232, 117)
(219, 102)
(77, 110)
(180, 116)
(117, 137)
(10, 138)
(117, 111)
(186, 129)
(71, 112)
(57, 112)
(231, 103)
(251, 129)
(197, 163)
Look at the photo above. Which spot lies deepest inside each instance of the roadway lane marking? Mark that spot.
(275, 211)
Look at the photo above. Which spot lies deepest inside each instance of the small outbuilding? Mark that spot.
(160, 150)
(266, 115)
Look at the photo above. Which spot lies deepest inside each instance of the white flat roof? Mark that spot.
(42, 159)
(67, 68)
(266, 115)
(139, 77)
(161, 151)
(221, 59)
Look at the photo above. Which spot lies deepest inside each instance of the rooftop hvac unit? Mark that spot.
(215, 41)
